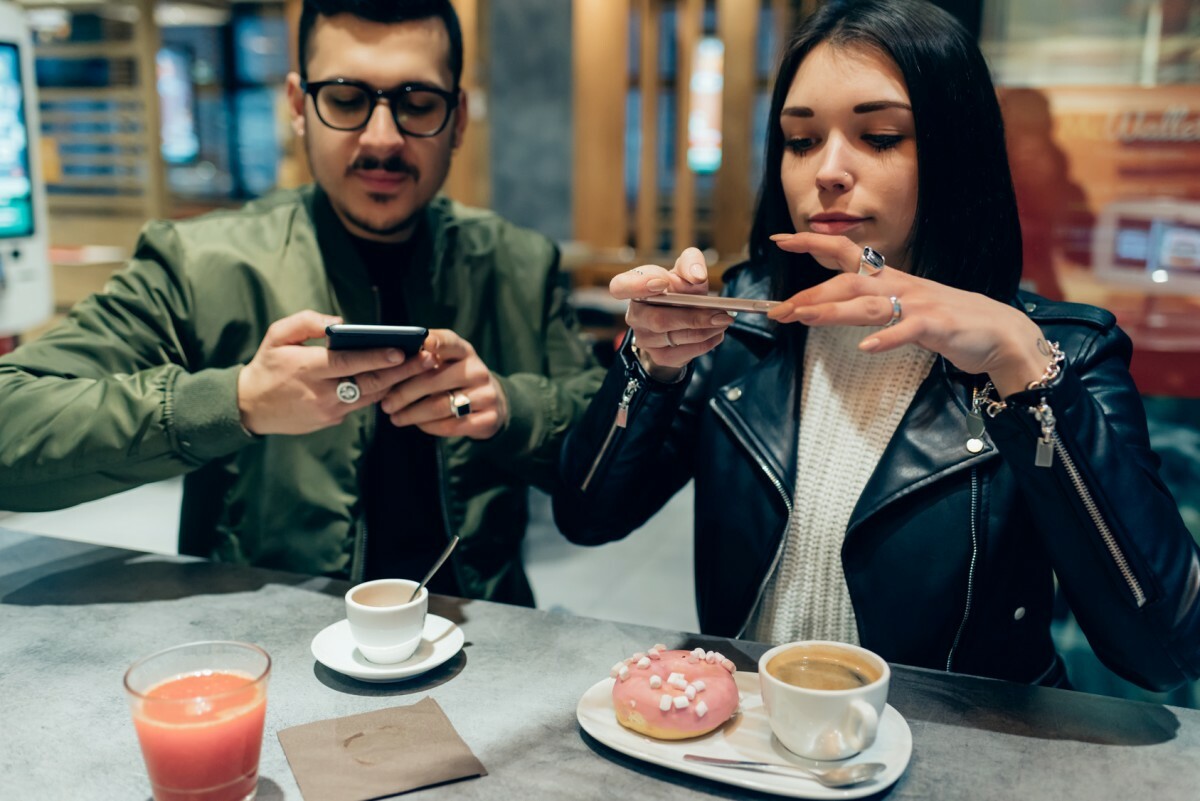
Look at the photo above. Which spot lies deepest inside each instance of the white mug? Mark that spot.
(384, 623)
(815, 721)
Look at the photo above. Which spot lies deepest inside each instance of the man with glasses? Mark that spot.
(203, 357)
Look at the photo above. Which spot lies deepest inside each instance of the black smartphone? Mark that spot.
(406, 338)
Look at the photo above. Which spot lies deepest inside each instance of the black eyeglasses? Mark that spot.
(345, 105)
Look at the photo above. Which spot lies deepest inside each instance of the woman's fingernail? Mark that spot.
(698, 272)
(807, 315)
(657, 284)
(869, 345)
(394, 356)
(721, 319)
(780, 237)
(780, 311)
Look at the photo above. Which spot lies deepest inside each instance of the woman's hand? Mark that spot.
(974, 332)
(670, 337)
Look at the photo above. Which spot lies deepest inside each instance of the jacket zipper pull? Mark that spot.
(975, 427)
(1045, 445)
(623, 406)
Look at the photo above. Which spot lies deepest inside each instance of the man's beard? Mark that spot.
(391, 164)
(387, 230)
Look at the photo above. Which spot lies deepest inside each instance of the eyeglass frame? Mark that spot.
(452, 99)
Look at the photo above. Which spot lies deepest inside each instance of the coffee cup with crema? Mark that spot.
(385, 619)
(824, 699)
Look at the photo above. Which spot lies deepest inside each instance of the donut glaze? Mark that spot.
(702, 707)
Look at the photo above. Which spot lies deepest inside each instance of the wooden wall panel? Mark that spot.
(469, 180)
(689, 17)
(646, 238)
(600, 39)
(737, 26)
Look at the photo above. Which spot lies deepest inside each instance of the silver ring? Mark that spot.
(870, 262)
(896, 312)
(460, 404)
(348, 391)
(670, 344)
(636, 270)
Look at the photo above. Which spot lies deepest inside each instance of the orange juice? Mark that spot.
(201, 735)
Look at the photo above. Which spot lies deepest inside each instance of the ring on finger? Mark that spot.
(348, 391)
(460, 404)
(670, 342)
(896, 312)
(871, 262)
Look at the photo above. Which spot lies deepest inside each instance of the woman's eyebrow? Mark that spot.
(861, 108)
(880, 105)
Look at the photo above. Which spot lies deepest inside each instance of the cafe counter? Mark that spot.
(74, 616)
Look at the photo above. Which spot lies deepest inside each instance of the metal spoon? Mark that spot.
(445, 555)
(840, 776)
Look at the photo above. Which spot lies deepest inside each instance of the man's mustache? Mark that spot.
(390, 164)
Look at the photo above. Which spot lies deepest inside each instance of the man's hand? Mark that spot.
(290, 388)
(429, 400)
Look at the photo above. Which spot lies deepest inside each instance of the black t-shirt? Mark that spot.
(406, 530)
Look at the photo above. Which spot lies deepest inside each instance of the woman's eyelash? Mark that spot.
(878, 142)
(882, 142)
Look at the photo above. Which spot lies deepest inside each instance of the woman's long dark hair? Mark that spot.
(966, 233)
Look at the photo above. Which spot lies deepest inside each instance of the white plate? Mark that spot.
(334, 648)
(746, 736)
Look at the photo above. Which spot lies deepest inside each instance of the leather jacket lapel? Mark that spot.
(929, 444)
(762, 414)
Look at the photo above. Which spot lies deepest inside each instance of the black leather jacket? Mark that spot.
(948, 554)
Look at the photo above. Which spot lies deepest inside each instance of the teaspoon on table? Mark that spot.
(445, 555)
(840, 776)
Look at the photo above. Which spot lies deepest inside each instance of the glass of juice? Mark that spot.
(199, 710)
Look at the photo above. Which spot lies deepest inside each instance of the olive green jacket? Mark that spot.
(140, 384)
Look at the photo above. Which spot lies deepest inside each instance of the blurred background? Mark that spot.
(627, 130)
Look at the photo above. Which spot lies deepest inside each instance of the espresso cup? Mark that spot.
(823, 699)
(385, 621)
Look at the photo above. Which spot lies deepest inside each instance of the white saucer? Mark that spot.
(334, 648)
(746, 736)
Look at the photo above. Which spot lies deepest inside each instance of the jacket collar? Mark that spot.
(427, 277)
(930, 442)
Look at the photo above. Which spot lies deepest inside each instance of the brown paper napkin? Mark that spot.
(377, 754)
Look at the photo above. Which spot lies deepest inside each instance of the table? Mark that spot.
(73, 616)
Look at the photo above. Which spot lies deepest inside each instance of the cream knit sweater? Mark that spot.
(850, 405)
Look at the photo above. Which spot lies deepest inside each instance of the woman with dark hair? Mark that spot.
(901, 455)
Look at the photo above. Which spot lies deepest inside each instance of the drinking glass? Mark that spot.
(198, 710)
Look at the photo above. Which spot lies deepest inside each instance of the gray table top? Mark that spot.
(73, 616)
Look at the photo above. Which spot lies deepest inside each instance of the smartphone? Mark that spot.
(406, 338)
(711, 302)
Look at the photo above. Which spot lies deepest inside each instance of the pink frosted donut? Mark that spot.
(673, 695)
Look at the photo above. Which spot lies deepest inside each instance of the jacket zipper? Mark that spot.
(787, 502)
(620, 421)
(971, 570)
(442, 486)
(1045, 417)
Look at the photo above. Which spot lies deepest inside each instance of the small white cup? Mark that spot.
(826, 724)
(385, 624)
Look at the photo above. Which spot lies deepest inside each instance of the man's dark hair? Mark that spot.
(966, 233)
(386, 11)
